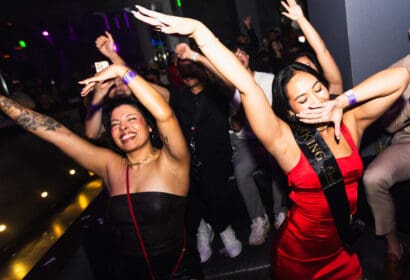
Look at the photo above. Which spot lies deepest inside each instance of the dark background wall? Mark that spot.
(364, 36)
(219, 15)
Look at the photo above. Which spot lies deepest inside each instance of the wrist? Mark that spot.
(94, 107)
(128, 76)
(194, 56)
(351, 97)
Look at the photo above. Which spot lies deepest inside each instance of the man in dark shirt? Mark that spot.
(202, 110)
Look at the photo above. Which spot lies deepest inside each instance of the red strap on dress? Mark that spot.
(141, 241)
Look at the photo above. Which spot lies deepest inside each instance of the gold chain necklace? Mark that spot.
(143, 160)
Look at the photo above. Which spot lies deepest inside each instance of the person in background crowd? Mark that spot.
(308, 245)
(388, 168)
(201, 107)
(246, 149)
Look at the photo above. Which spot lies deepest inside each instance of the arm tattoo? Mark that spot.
(28, 119)
(32, 121)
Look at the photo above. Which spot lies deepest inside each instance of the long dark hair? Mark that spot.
(111, 104)
(280, 100)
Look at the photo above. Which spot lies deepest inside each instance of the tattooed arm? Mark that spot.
(89, 156)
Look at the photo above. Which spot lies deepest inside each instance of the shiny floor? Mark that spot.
(48, 235)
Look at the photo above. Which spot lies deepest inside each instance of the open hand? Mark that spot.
(106, 74)
(293, 10)
(330, 111)
(165, 23)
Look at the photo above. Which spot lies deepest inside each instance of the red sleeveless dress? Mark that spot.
(307, 245)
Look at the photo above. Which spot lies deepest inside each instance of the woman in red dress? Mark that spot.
(308, 245)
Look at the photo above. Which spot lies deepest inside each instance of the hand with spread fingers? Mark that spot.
(330, 111)
(293, 10)
(166, 23)
(108, 73)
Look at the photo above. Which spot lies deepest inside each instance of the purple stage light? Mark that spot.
(45, 33)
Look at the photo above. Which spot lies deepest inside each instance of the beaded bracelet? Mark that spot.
(128, 76)
(351, 97)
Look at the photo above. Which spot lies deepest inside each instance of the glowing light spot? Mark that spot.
(22, 43)
(44, 194)
(20, 270)
(45, 33)
(57, 229)
(72, 172)
(3, 228)
(94, 184)
(301, 39)
(83, 201)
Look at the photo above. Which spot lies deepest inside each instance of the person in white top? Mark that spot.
(246, 159)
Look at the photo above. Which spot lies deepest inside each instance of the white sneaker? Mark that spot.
(204, 239)
(259, 230)
(279, 218)
(233, 247)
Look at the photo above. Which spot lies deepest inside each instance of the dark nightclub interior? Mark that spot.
(53, 211)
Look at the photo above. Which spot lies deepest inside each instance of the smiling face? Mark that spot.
(304, 90)
(129, 129)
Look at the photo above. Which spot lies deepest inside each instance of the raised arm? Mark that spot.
(364, 103)
(265, 124)
(153, 101)
(87, 155)
(93, 122)
(105, 44)
(330, 69)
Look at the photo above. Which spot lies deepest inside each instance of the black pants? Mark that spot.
(210, 197)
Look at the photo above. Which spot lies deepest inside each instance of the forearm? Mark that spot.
(93, 124)
(258, 111)
(115, 58)
(330, 69)
(52, 131)
(374, 95)
(161, 90)
(36, 123)
(223, 59)
(208, 65)
(312, 36)
(152, 100)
